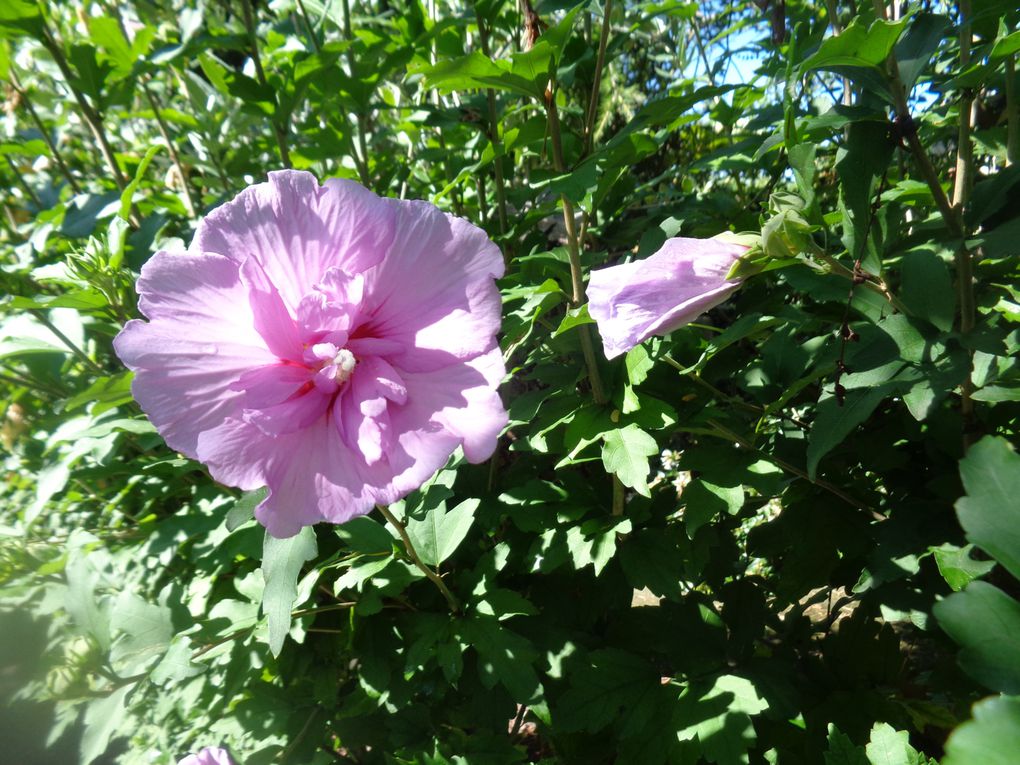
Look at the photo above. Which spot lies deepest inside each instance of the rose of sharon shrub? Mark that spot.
(211, 755)
(330, 344)
(683, 279)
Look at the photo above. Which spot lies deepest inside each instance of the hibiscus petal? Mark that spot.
(200, 340)
(291, 415)
(271, 384)
(683, 279)
(211, 755)
(364, 408)
(435, 291)
(462, 399)
(272, 319)
(298, 229)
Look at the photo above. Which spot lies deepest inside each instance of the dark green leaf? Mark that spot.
(985, 622)
(992, 737)
(857, 46)
(990, 513)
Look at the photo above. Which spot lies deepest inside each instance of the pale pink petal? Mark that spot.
(332, 304)
(298, 230)
(435, 291)
(633, 301)
(364, 410)
(211, 755)
(200, 339)
(462, 400)
(312, 477)
(271, 384)
(272, 319)
(291, 415)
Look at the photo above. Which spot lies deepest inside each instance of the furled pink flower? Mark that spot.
(683, 279)
(211, 755)
(330, 344)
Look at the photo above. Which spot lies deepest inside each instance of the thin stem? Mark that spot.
(837, 30)
(961, 191)
(872, 282)
(293, 745)
(278, 130)
(952, 214)
(220, 641)
(189, 199)
(701, 50)
(593, 103)
(308, 26)
(23, 183)
(576, 282)
(416, 560)
(33, 385)
(57, 157)
(577, 285)
(211, 142)
(483, 202)
(964, 150)
(619, 496)
(494, 139)
(736, 401)
(44, 320)
(323, 609)
(728, 434)
(1012, 113)
(89, 114)
(361, 152)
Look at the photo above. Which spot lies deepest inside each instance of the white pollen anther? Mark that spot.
(344, 362)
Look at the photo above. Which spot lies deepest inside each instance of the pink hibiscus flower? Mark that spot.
(330, 344)
(211, 755)
(683, 279)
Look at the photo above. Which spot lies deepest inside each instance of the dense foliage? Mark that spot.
(789, 532)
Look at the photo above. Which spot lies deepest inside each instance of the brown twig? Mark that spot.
(412, 553)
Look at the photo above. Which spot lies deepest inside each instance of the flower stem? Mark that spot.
(573, 251)
(361, 154)
(57, 157)
(1012, 113)
(721, 431)
(593, 103)
(89, 114)
(494, 139)
(401, 529)
(45, 321)
(278, 130)
(189, 198)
